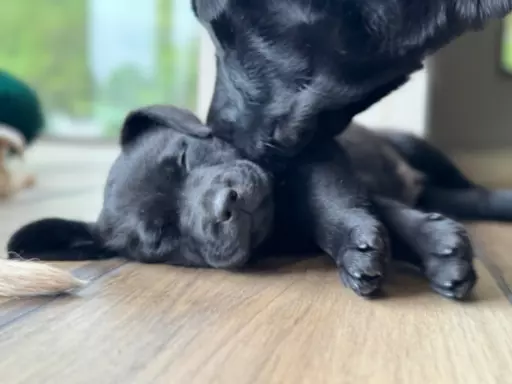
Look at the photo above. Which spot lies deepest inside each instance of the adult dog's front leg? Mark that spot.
(360, 248)
(440, 246)
(334, 208)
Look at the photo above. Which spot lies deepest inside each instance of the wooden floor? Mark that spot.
(155, 324)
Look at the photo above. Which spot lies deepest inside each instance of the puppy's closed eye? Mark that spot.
(177, 162)
(181, 156)
(171, 165)
(181, 159)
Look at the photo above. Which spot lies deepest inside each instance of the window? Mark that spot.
(506, 45)
(93, 60)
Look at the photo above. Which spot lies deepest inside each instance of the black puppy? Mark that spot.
(174, 195)
(177, 195)
(291, 74)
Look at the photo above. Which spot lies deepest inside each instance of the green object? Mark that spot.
(20, 107)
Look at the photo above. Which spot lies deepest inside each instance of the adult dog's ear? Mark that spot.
(142, 120)
(56, 239)
(482, 10)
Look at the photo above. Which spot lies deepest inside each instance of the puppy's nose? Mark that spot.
(225, 203)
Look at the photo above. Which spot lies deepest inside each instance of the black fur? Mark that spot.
(174, 195)
(168, 200)
(291, 74)
(427, 159)
(48, 236)
(290, 71)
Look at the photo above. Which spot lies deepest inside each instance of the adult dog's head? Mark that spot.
(288, 66)
(174, 195)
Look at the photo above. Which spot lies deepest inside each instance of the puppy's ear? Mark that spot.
(55, 239)
(143, 120)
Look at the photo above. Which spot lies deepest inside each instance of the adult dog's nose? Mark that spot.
(225, 203)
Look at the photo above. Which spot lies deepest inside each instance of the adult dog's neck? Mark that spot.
(249, 112)
(291, 71)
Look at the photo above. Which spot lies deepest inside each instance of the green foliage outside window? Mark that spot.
(47, 43)
(506, 45)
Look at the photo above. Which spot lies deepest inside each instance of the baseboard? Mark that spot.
(489, 168)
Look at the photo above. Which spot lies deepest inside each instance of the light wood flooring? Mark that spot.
(297, 324)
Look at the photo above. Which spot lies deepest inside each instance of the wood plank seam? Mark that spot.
(494, 271)
(492, 268)
(53, 195)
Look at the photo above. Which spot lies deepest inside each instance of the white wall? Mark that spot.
(207, 70)
(404, 109)
(470, 106)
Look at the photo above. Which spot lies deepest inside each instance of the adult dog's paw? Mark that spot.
(362, 262)
(448, 256)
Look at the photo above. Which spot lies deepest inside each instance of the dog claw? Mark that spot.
(447, 252)
(363, 247)
(363, 286)
(435, 217)
(372, 274)
(357, 274)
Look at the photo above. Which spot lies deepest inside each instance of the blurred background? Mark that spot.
(81, 65)
(91, 61)
(462, 102)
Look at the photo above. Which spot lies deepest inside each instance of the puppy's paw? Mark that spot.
(448, 256)
(362, 262)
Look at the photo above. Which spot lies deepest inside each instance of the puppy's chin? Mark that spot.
(233, 262)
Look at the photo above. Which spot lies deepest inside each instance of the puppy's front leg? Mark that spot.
(335, 209)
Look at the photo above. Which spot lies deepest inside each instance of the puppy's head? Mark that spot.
(174, 195)
(288, 67)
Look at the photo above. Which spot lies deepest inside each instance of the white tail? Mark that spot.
(31, 278)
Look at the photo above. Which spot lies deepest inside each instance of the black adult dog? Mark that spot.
(179, 196)
(291, 74)
(290, 71)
